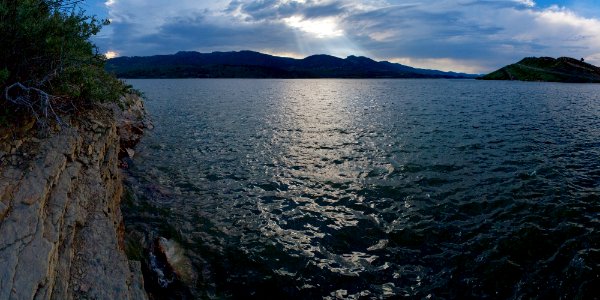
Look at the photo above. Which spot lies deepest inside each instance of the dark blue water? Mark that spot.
(377, 188)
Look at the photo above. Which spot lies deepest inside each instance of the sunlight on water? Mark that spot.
(377, 188)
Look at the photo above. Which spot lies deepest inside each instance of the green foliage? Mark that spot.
(90, 83)
(45, 45)
(3, 119)
(4, 74)
(563, 69)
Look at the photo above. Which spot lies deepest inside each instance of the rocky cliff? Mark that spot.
(60, 220)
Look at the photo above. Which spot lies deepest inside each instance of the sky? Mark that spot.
(474, 36)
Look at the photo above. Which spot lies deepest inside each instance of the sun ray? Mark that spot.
(321, 28)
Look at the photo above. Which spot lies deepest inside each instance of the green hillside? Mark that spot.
(563, 69)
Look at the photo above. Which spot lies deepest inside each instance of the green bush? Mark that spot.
(4, 75)
(47, 59)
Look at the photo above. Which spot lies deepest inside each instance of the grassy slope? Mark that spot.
(563, 69)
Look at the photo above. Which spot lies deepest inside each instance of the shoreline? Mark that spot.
(60, 219)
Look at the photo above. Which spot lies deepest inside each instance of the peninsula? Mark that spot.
(563, 69)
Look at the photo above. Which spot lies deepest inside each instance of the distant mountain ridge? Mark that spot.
(250, 64)
(562, 69)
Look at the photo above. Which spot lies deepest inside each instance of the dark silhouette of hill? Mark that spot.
(563, 69)
(250, 64)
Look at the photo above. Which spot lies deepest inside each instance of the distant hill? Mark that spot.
(563, 69)
(249, 64)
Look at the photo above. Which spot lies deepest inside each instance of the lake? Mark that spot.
(302, 189)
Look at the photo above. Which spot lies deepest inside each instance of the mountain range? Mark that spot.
(250, 64)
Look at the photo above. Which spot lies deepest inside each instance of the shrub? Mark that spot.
(47, 61)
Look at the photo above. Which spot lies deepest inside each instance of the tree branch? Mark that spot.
(37, 101)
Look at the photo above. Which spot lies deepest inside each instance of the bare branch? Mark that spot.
(37, 101)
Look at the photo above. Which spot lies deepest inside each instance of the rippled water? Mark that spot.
(375, 188)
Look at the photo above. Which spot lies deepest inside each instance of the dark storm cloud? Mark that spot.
(191, 33)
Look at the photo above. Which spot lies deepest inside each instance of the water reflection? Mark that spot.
(358, 188)
(317, 130)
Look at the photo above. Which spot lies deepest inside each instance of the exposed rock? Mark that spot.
(131, 122)
(170, 272)
(60, 218)
(3, 210)
(130, 152)
(177, 260)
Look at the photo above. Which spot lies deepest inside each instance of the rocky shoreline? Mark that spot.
(61, 228)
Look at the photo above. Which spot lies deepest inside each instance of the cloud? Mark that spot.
(529, 3)
(594, 59)
(277, 9)
(469, 35)
(442, 64)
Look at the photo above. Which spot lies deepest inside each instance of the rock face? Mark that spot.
(176, 260)
(131, 123)
(60, 219)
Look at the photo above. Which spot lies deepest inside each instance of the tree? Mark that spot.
(47, 61)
